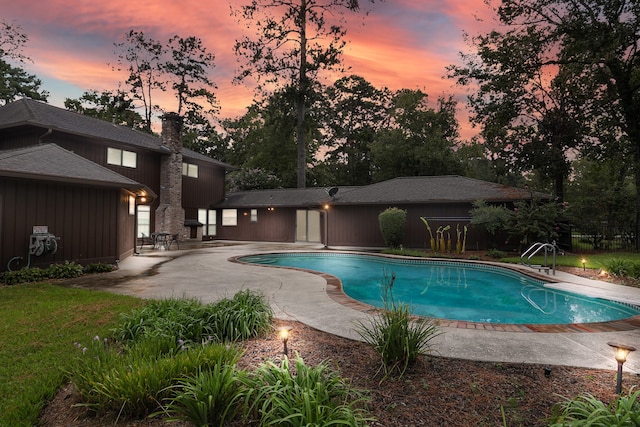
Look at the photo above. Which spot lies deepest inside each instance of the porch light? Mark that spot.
(283, 334)
(326, 206)
(622, 351)
(584, 264)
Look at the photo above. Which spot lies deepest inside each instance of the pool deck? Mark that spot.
(209, 274)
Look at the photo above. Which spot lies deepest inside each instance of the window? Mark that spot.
(144, 220)
(254, 215)
(208, 219)
(229, 217)
(189, 169)
(132, 205)
(118, 157)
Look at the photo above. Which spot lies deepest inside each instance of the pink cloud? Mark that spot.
(400, 44)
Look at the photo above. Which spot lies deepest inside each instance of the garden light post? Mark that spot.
(283, 333)
(584, 264)
(622, 351)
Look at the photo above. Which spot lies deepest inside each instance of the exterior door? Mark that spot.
(308, 226)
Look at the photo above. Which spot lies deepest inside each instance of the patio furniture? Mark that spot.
(175, 238)
(147, 240)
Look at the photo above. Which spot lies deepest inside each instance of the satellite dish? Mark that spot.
(332, 191)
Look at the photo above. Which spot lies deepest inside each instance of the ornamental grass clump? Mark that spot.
(212, 397)
(132, 380)
(313, 396)
(586, 410)
(396, 335)
(244, 316)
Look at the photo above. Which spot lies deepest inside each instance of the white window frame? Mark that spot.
(208, 219)
(144, 220)
(190, 170)
(229, 217)
(253, 216)
(118, 157)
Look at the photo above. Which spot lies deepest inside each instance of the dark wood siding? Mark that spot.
(204, 191)
(359, 226)
(85, 219)
(272, 226)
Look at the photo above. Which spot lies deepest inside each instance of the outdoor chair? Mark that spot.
(175, 238)
(147, 240)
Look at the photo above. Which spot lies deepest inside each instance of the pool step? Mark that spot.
(540, 267)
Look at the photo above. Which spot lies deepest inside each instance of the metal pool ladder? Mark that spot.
(533, 250)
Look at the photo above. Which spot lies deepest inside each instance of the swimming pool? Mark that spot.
(454, 290)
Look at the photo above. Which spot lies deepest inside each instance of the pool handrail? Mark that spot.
(534, 249)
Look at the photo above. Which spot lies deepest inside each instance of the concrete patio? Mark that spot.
(205, 273)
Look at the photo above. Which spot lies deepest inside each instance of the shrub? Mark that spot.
(314, 396)
(24, 275)
(68, 270)
(98, 267)
(395, 335)
(616, 266)
(392, 224)
(586, 410)
(497, 254)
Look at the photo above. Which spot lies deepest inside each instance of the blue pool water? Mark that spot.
(454, 290)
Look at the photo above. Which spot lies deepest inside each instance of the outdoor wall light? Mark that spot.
(622, 351)
(584, 264)
(283, 333)
(326, 207)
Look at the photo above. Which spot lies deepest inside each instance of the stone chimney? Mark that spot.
(170, 214)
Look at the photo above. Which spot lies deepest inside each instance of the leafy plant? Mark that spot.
(98, 267)
(395, 334)
(314, 396)
(244, 316)
(212, 397)
(392, 225)
(586, 410)
(432, 240)
(64, 271)
(133, 382)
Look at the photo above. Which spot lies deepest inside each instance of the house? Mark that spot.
(75, 188)
(348, 216)
(91, 188)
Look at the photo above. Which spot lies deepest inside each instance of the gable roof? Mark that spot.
(406, 190)
(53, 163)
(28, 112)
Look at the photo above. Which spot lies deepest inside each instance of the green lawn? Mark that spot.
(575, 260)
(39, 325)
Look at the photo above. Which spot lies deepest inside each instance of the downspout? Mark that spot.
(43, 136)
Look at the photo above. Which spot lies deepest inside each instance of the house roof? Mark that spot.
(54, 163)
(406, 190)
(28, 112)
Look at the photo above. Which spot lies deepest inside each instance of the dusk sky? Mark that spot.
(400, 44)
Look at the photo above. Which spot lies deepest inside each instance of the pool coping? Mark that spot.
(335, 292)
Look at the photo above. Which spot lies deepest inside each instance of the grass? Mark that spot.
(575, 260)
(39, 324)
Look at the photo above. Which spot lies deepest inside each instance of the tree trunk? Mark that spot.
(301, 95)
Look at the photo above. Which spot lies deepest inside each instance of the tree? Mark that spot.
(141, 57)
(600, 199)
(15, 82)
(419, 140)
(295, 42)
(111, 106)
(529, 116)
(597, 42)
(354, 111)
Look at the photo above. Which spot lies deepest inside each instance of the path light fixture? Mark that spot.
(584, 264)
(283, 334)
(622, 351)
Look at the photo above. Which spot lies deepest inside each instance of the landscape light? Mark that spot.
(283, 333)
(622, 351)
(584, 264)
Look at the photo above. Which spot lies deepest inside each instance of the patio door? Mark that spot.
(308, 226)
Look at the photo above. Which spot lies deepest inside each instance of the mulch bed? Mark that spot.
(436, 391)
